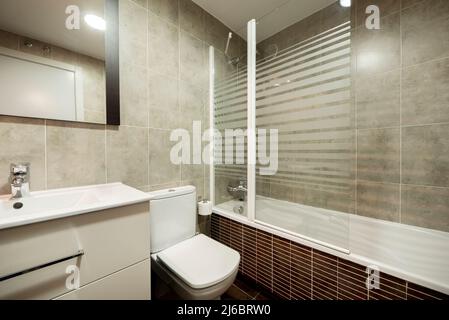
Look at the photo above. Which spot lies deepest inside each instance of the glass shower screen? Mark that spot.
(304, 179)
(228, 100)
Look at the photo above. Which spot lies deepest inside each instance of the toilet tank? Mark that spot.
(172, 217)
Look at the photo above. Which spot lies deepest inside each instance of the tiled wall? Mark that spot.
(296, 272)
(164, 83)
(400, 118)
(94, 84)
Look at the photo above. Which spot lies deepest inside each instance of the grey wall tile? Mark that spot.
(426, 207)
(425, 155)
(163, 46)
(378, 155)
(192, 18)
(161, 168)
(133, 95)
(221, 184)
(339, 200)
(142, 3)
(193, 67)
(425, 94)
(165, 112)
(127, 155)
(22, 140)
(378, 100)
(163, 186)
(309, 27)
(282, 192)
(191, 104)
(309, 195)
(198, 184)
(133, 20)
(379, 51)
(409, 3)
(425, 31)
(335, 15)
(263, 188)
(192, 172)
(75, 154)
(166, 9)
(378, 200)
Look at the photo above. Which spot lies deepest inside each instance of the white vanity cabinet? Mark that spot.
(110, 248)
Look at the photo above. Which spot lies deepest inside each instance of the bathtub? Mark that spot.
(411, 253)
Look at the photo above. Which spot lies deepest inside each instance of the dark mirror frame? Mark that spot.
(112, 62)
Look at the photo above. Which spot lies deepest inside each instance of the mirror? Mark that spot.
(59, 60)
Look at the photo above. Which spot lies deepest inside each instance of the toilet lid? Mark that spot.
(200, 261)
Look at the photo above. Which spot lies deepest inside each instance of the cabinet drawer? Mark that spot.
(42, 284)
(132, 283)
(112, 240)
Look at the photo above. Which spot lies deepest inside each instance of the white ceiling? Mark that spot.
(44, 20)
(272, 15)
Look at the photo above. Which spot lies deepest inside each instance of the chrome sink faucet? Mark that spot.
(20, 180)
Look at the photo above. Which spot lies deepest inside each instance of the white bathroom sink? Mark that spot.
(60, 203)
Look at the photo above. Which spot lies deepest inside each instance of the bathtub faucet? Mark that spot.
(239, 191)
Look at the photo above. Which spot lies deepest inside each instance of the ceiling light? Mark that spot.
(95, 22)
(345, 3)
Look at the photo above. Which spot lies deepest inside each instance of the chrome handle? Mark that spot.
(45, 265)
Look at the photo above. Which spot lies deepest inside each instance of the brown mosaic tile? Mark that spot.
(215, 227)
(281, 267)
(391, 288)
(351, 281)
(236, 239)
(416, 292)
(264, 249)
(301, 272)
(225, 231)
(324, 276)
(249, 253)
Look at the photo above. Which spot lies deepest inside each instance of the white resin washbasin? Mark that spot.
(60, 203)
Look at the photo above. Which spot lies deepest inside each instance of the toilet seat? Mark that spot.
(200, 261)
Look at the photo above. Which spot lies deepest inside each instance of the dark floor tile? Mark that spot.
(234, 293)
(246, 286)
(267, 296)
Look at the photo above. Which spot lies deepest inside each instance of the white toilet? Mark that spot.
(193, 265)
